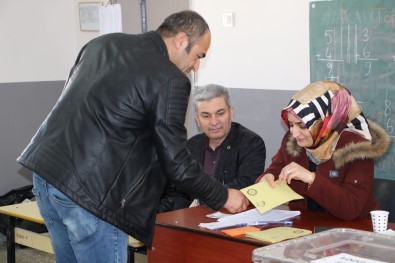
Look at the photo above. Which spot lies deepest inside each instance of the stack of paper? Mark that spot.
(250, 218)
(278, 234)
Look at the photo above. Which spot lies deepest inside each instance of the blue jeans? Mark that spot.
(77, 235)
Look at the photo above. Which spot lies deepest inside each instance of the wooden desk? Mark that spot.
(15, 235)
(178, 238)
(29, 211)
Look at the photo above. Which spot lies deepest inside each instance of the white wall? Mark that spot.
(40, 39)
(32, 35)
(268, 47)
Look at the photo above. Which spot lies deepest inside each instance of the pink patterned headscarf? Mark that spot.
(326, 108)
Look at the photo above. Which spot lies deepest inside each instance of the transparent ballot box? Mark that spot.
(338, 242)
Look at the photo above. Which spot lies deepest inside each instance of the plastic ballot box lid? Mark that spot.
(335, 245)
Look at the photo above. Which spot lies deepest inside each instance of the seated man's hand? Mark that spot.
(237, 201)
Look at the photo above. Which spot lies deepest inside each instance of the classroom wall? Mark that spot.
(262, 59)
(267, 48)
(39, 43)
(23, 106)
(40, 39)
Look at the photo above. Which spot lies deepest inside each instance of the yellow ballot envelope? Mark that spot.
(264, 197)
(278, 234)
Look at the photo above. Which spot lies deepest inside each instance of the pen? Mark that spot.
(256, 223)
(229, 226)
(266, 223)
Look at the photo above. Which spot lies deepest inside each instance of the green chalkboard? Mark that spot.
(353, 42)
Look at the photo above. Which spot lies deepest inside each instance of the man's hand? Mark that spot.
(236, 202)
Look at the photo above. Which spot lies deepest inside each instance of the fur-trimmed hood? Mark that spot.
(353, 151)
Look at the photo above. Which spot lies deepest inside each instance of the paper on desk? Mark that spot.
(253, 215)
(217, 215)
(234, 232)
(278, 234)
(264, 197)
(250, 217)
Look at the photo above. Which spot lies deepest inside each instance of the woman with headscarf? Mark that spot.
(328, 154)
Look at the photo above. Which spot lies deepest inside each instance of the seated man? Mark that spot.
(231, 153)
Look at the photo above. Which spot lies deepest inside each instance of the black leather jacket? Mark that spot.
(241, 161)
(122, 110)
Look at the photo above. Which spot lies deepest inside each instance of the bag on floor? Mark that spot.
(17, 196)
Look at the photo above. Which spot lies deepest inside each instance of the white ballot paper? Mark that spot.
(250, 217)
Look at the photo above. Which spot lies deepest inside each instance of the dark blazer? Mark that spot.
(241, 161)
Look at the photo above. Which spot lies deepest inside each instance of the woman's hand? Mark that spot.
(269, 178)
(294, 171)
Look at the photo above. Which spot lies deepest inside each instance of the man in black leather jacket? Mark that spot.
(122, 111)
(228, 151)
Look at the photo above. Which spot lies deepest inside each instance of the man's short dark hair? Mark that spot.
(189, 22)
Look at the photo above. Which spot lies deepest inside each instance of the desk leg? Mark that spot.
(11, 240)
(130, 254)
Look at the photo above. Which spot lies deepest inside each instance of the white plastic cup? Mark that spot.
(379, 220)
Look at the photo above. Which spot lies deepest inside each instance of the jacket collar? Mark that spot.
(230, 138)
(157, 39)
(354, 151)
